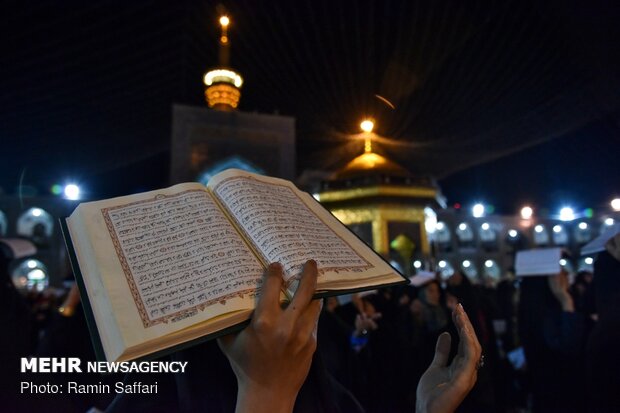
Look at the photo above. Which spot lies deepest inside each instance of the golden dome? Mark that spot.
(370, 163)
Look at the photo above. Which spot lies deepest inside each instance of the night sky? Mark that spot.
(505, 102)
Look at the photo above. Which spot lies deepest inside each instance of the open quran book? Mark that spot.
(163, 269)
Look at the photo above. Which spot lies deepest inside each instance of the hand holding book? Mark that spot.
(261, 354)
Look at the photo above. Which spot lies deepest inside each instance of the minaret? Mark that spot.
(222, 84)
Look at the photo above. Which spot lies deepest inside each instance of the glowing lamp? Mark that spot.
(367, 125)
(527, 212)
(477, 210)
(567, 214)
(72, 192)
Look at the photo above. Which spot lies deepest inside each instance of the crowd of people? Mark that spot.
(548, 345)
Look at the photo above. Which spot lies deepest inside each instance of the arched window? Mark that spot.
(469, 268)
(541, 235)
(486, 233)
(560, 235)
(583, 232)
(606, 224)
(464, 233)
(30, 274)
(36, 224)
(445, 269)
(492, 269)
(442, 233)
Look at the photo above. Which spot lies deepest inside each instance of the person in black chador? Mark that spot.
(552, 334)
(15, 324)
(482, 397)
(603, 359)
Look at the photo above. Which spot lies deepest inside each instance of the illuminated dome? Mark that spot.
(384, 204)
(370, 163)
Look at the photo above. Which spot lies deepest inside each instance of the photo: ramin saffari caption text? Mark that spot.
(52, 365)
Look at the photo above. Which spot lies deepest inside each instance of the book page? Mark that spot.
(286, 226)
(177, 260)
(179, 254)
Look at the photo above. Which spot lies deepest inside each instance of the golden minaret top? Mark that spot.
(222, 84)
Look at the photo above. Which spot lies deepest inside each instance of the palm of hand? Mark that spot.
(442, 388)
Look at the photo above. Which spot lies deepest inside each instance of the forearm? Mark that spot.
(262, 401)
(568, 305)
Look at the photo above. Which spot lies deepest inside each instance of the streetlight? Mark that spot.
(567, 214)
(615, 204)
(477, 210)
(527, 212)
(72, 192)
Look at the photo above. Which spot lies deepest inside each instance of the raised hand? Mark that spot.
(271, 357)
(558, 284)
(442, 388)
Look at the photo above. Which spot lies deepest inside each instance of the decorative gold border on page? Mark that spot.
(146, 321)
(321, 270)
